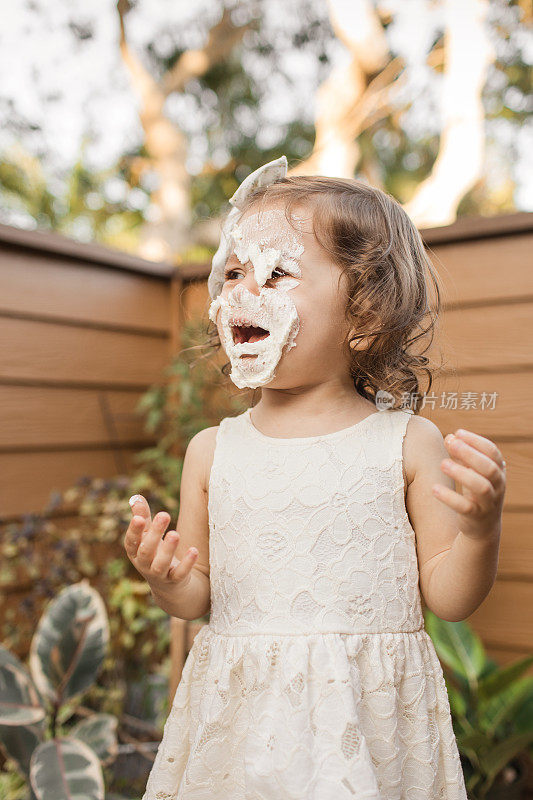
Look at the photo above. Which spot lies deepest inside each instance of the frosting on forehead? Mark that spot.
(262, 176)
(268, 241)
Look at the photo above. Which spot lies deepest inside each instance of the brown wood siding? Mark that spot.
(487, 328)
(84, 331)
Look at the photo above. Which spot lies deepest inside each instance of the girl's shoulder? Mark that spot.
(201, 451)
(422, 440)
(204, 439)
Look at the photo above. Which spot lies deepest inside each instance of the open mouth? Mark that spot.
(248, 333)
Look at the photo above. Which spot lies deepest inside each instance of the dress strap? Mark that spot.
(401, 420)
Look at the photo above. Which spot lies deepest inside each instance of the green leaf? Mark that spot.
(20, 700)
(458, 706)
(495, 759)
(19, 742)
(501, 709)
(70, 643)
(457, 646)
(523, 716)
(494, 683)
(99, 732)
(64, 769)
(474, 744)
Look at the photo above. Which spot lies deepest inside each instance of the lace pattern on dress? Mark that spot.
(312, 534)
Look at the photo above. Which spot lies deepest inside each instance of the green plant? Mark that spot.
(82, 538)
(491, 707)
(66, 654)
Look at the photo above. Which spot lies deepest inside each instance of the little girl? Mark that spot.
(311, 524)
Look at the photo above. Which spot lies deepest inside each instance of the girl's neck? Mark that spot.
(292, 413)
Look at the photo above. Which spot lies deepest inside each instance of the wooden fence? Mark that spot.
(85, 330)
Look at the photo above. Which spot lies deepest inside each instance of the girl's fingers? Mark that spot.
(479, 453)
(133, 536)
(451, 498)
(151, 539)
(479, 486)
(139, 524)
(165, 553)
(140, 508)
(151, 549)
(183, 570)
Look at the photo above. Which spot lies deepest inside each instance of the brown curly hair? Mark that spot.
(382, 256)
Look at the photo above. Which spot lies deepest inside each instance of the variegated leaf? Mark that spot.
(68, 648)
(66, 769)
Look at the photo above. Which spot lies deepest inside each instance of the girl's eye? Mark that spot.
(229, 272)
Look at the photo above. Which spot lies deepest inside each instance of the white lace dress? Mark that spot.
(315, 678)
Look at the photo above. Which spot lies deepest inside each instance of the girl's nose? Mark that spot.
(250, 282)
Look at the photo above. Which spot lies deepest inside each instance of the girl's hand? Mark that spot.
(151, 550)
(479, 468)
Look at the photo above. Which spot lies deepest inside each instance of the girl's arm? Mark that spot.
(193, 529)
(457, 532)
(178, 578)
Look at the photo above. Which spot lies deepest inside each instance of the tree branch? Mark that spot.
(221, 40)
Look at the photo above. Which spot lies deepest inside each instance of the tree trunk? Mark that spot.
(459, 163)
(342, 95)
(169, 231)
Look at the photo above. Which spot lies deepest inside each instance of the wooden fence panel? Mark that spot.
(37, 418)
(37, 285)
(84, 332)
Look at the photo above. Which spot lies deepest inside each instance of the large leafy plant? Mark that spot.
(491, 706)
(66, 654)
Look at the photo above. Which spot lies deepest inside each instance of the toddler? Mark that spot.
(311, 525)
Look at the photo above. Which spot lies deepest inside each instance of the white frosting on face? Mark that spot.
(215, 282)
(267, 241)
(262, 176)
